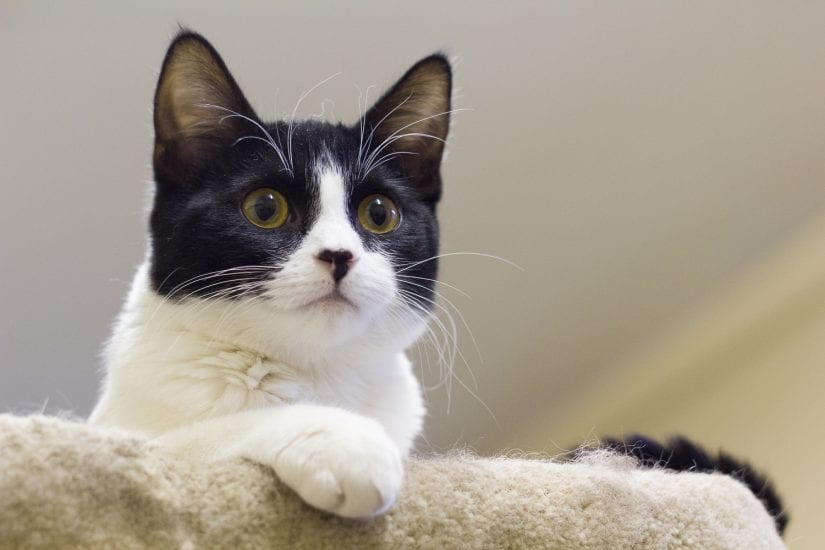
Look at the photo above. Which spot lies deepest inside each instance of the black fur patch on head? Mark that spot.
(681, 454)
(211, 150)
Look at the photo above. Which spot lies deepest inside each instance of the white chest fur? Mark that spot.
(171, 365)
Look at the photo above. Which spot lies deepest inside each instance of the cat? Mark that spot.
(289, 266)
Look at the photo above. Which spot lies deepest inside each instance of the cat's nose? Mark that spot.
(339, 260)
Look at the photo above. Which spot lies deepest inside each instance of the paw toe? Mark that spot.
(322, 490)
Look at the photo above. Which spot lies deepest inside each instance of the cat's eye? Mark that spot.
(378, 214)
(265, 208)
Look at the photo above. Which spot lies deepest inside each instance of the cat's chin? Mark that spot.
(337, 319)
(332, 318)
(332, 302)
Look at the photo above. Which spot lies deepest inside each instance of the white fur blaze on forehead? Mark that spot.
(332, 191)
(333, 229)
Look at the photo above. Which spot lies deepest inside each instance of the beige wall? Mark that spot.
(773, 410)
(743, 371)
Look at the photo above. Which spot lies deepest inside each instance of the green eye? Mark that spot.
(378, 214)
(265, 208)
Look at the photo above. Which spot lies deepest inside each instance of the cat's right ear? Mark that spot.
(199, 107)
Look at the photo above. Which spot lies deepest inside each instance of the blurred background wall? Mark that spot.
(656, 169)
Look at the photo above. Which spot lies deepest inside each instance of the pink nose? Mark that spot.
(340, 260)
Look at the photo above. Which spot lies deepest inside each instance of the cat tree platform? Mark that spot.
(66, 484)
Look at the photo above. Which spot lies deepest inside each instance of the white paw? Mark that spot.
(353, 471)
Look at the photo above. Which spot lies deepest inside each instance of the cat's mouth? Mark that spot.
(332, 299)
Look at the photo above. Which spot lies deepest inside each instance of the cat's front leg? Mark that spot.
(335, 460)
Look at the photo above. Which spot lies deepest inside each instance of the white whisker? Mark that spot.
(291, 129)
(395, 135)
(448, 254)
(436, 281)
(449, 302)
(378, 124)
(361, 122)
(383, 160)
(269, 140)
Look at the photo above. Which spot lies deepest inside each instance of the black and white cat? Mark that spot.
(290, 265)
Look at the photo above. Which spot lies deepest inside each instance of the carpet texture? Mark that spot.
(68, 485)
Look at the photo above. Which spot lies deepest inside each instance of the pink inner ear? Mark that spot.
(196, 96)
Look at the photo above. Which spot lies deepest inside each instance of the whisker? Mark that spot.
(394, 136)
(457, 311)
(219, 283)
(384, 160)
(453, 332)
(291, 129)
(378, 124)
(269, 140)
(392, 139)
(448, 254)
(445, 356)
(219, 273)
(361, 123)
(269, 143)
(448, 285)
(451, 340)
(206, 276)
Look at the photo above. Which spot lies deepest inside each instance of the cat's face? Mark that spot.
(328, 225)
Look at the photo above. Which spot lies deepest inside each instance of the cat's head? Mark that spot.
(331, 227)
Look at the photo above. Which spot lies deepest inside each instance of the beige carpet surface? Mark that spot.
(68, 485)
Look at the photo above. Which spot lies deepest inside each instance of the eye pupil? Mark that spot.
(378, 212)
(265, 207)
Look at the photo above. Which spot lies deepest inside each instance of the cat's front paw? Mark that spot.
(353, 471)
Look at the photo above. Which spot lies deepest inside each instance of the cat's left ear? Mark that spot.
(199, 108)
(411, 122)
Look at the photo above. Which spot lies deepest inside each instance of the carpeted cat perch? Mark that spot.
(65, 484)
